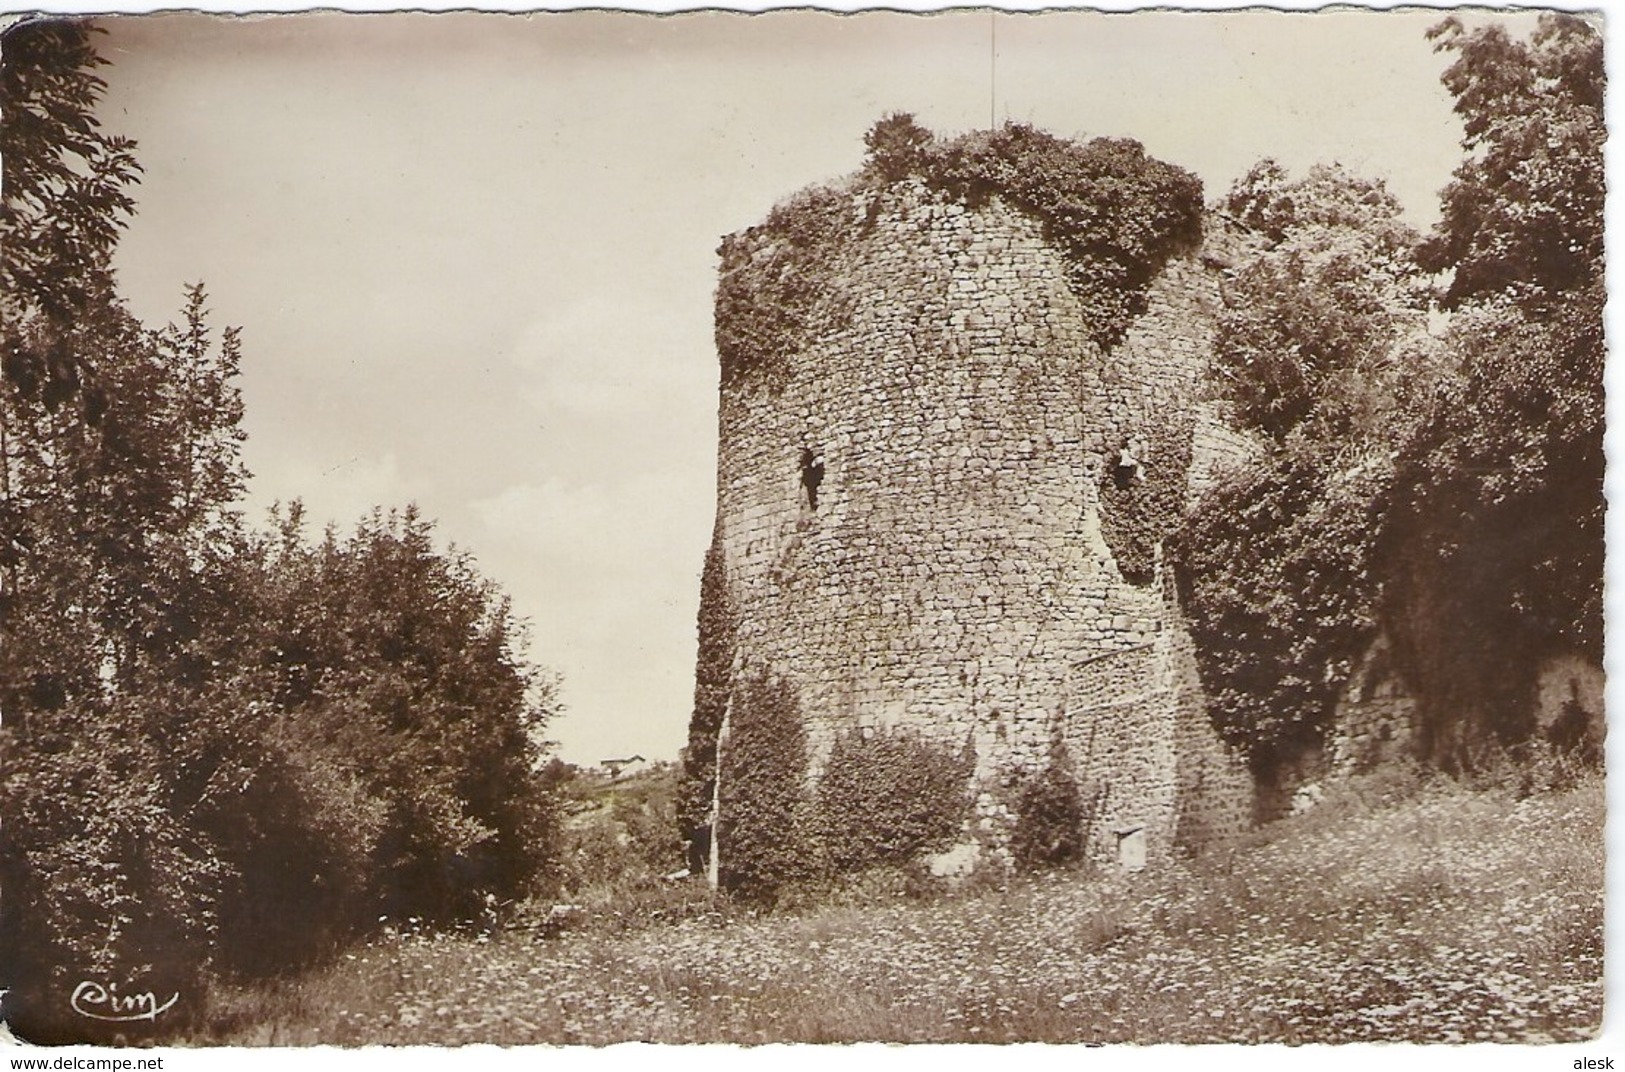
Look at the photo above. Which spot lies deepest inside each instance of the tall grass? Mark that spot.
(1402, 909)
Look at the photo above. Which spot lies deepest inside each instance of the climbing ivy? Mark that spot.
(1142, 504)
(773, 291)
(1116, 214)
(1276, 574)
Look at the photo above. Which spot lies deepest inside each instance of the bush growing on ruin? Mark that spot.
(888, 797)
(1115, 213)
(773, 288)
(1276, 576)
(897, 146)
(1052, 815)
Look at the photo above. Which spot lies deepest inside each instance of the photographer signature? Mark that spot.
(100, 1002)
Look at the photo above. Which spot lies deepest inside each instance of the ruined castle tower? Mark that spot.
(939, 510)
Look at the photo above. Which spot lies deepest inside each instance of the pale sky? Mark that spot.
(473, 255)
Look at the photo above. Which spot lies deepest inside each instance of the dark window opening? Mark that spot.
(812, 475)
(1127, 470)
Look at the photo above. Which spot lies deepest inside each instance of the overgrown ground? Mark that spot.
(1424, 913)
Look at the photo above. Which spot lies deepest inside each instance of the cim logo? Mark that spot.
(99, 1002)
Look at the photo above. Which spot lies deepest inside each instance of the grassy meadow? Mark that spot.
(1401, 909)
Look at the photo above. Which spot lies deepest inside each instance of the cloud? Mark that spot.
(593, 358)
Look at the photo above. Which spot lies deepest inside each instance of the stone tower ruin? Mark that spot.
(939, 503)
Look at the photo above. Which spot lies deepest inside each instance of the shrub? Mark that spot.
(621, 833)
(1052, 816)
(897, 146)
(763, 812)
(888, 797)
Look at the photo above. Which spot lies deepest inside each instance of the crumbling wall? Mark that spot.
(910, 512)
(1375, 717)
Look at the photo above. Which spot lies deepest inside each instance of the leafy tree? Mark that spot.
(1308, 335)
(1496, 541)
(1321, 348)
(220, 751)
(1276, 574)
(402, 663)
(102, 430)
(1523, 215)
(120, 461)
(1494, 549)
(66, 183)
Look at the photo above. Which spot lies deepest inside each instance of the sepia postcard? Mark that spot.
(559, 529)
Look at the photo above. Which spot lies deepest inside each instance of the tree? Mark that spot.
(1523, 216)
(66, 183)
(713, 684)
(1496, 540)
(221, 751)
(764, 811)
(402, 662)
(1308, 336)
(1276, 575)
(1321, 348)
(1494, 549)
(120, 462)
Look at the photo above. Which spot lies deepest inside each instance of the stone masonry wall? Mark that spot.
(947, 571)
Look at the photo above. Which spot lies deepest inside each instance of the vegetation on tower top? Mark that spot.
(1115, 213)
